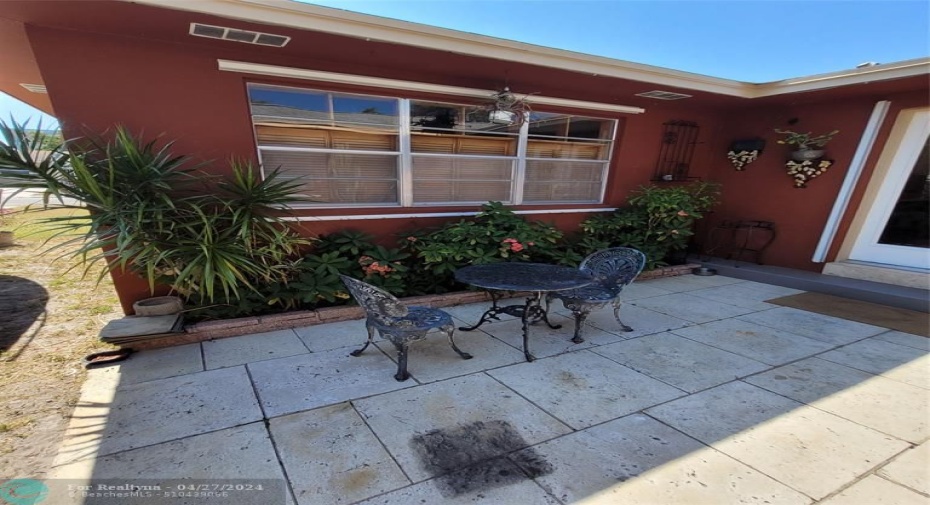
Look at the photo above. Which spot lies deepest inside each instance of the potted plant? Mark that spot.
(807, 143)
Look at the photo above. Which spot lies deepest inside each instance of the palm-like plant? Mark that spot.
(159, 215)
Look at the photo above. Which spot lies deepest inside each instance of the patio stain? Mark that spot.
(357, 478)
(572, 380)
(473, 457)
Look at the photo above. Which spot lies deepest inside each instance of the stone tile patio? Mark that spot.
(716, 397)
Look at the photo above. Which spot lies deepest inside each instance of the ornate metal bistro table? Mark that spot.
(537, 278)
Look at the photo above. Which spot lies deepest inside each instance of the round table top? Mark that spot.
(523, 277)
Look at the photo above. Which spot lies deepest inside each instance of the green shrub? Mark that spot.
(658, 221)
(495, 234)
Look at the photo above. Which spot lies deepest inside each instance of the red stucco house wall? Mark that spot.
(109, 63)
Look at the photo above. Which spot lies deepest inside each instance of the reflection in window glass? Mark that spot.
(349, 150)
(544, 124)
(316, 107)
(426, 116)
(287, 103)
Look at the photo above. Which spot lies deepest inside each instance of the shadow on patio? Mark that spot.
(715, 397)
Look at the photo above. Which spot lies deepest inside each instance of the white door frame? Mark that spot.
(905, 143)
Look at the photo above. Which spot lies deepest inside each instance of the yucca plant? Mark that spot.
(159, 216)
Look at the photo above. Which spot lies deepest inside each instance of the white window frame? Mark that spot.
(405, 157)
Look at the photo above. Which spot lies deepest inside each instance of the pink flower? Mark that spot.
(531, 244)
(509, 240)
(412, 238)
(683, 213)
(516, 247)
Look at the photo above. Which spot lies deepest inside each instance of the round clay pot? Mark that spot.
(158, 306)
(6, 238)
(807, 154)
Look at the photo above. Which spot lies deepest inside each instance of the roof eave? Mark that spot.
(352, 24)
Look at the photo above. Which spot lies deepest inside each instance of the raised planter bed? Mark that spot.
(210, 330)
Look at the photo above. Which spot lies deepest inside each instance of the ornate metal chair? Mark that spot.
(399, 324)
(613, 269)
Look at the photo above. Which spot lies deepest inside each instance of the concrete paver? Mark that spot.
(235, 351)
(288, 385)
(828, 329)
(243, 453)
(147, 413)
(765, 405)
(643, 321)
(754, 341)
(159, 364)
(331, 456)
(685, 364)
(326, 337)
(397, 417)
(545, 341)
(690, 307)
(874, 490)
(911, 468)
(905, 339)
(433, 359)
(638, 460)
(810, 450)
(874, 401)
(898, 362)
(583, 389)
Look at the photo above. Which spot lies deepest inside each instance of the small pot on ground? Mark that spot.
(158, 306)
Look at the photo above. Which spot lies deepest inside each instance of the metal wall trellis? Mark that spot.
(676, 151)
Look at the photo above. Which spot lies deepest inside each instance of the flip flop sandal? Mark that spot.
(106, 357)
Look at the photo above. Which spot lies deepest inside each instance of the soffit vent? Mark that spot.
(35, 88)
(236, 35)
(663, 95)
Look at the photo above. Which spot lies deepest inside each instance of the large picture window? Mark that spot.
(361, 150)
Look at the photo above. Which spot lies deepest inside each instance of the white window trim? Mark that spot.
(379, 82)
(414, 215)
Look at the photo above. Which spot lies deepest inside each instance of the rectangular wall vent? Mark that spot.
(35, 88)
(663, 95)
(236, 35)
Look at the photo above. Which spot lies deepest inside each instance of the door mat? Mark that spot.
(908, 321)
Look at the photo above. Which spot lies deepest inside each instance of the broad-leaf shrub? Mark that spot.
(658, 220)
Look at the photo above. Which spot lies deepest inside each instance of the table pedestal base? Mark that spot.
(529, 313)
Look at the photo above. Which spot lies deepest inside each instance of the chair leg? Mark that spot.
(580, 316)
(371, 336)
(401, 374)
(617, 304)
(449, 330)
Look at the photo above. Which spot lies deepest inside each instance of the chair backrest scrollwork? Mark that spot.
(615, 267)
(379, 305)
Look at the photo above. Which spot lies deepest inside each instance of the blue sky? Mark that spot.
(754, 41)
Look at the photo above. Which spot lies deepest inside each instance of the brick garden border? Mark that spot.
(210, 330)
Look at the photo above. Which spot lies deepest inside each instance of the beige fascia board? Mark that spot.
(897, 70)
(351, 24)
(379, 82)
